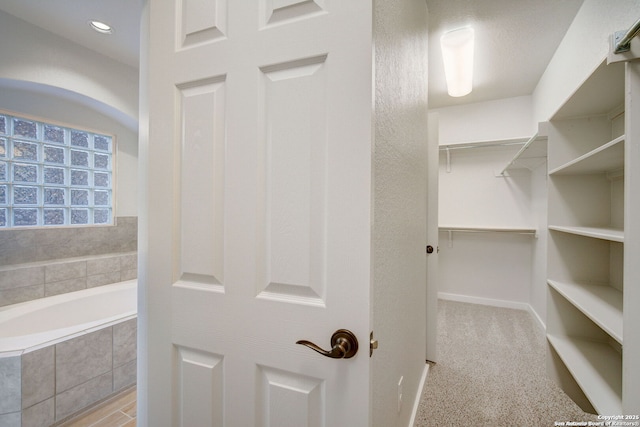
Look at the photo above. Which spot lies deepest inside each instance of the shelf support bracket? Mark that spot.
(448, 160)
(504, 173)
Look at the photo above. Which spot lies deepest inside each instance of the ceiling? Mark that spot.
(69, 19)
(515, 39)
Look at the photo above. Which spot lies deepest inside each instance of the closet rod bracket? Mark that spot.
(622, 39)
(622, 47)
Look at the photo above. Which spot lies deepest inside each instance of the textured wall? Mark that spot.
(399, 234)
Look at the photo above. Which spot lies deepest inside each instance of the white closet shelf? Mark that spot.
(606, 158)
(596, 367)
(604, 233)
(601, 93)
(600, 303)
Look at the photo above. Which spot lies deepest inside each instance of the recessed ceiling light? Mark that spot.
(101, 27)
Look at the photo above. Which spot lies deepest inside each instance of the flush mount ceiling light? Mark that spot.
(457, 54)
(101, 27)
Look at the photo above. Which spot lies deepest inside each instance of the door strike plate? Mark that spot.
(373, 344)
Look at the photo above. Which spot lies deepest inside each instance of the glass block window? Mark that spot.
(54, 175)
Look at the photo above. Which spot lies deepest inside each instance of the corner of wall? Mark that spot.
(583, 48)
(400, 176)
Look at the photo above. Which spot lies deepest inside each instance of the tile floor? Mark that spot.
(119, 411)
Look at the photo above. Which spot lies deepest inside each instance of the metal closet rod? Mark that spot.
(488, 230)
(498, 143)
(624, 44)
(451, 230)
(482, 145)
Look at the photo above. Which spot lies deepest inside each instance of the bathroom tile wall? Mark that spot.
(50, 384)
(10, 380)
(45, 262)
(20, 246)
(26, 282)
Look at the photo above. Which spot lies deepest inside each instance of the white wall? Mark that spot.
(50, 77)
(494, 266)
(399, 232)
(489, 267)
(538, 291)
(485, 121)
(582, 49)
(31, 54)
(471, 195)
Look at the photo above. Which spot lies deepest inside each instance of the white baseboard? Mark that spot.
(495, 303)
(416, 404)
(538, 320)
(484, 301)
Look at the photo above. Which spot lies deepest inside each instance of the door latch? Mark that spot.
(373, 344)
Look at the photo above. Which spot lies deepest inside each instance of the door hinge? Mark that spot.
(373, 344)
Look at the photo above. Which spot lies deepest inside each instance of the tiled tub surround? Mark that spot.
(71, 367)
(26, 282)
(24, 245)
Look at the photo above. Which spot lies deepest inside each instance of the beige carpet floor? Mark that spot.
(491, 372)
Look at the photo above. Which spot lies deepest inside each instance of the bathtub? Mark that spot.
(63, 353)
(47, 320)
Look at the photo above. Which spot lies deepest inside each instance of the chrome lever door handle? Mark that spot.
(344, 345)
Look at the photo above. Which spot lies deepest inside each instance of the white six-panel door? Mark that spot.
(258, 217)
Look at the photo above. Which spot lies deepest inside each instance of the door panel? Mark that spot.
(274, 12)
(200, 21)
(292, 162)
(201, 388)
(202, 119)
(260, 174)
(289, 399)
